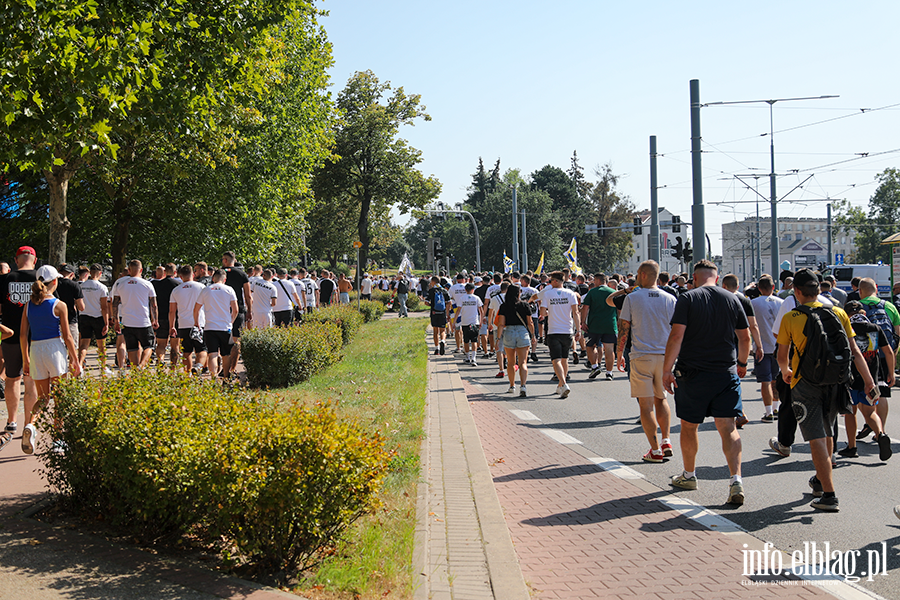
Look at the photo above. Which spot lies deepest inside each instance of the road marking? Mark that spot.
(700, 513)
(616, 468)
(525, 415)
(560, 436)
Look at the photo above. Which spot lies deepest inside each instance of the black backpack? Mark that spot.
(827, 356)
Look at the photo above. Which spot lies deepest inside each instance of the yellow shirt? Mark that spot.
(791, 332)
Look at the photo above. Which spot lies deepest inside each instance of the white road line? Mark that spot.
(560, 436)
(524, 415)
(616, 468)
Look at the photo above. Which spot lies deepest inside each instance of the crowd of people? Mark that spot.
(817, 352)
(195, 313)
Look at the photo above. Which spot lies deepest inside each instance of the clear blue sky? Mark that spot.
(529, 82)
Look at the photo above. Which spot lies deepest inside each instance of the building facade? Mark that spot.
(667, 238)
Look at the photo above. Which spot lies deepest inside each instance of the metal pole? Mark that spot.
(697, 212)
(523, 266)
(358, 292)
(759, 243)
(828, 231)
(654, 204)
(743, 264)
(776, 259)
(515, 224)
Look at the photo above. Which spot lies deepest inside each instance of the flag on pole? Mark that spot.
(508, 263)
(406, 266)
(572, 258)
(540, 268)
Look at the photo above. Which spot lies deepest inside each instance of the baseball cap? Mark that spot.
(47, 273)
(25, 250)
(65, 268)
(805, 278)
(477, 280)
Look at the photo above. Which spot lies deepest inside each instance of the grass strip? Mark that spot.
(381, 382)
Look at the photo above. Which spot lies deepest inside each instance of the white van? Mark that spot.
(880, 273)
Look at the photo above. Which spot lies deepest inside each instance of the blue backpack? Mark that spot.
(877, 314)
(440, 304)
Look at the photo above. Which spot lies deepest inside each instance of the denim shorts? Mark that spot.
(516, 336)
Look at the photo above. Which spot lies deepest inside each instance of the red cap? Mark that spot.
(25, 250)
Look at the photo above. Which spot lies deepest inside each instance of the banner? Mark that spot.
(508, 263)
(406, 266)
(540, 268)
(572, 258)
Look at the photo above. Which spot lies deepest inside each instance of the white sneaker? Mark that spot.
(565, 391)
(559, 390)
(511, 390)
(473, 363)
(107, 371)
(523, 393)
(29, 437)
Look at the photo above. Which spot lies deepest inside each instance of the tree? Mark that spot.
(372, 166)
(880, 221)
(609, 247)
(479, 186)
(576, 174)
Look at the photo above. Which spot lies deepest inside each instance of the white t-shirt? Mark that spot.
(216, 301)
(385, 285)
(469, 305)
(185, 297)
(527, 292)
(262, 291)
(559, 303)
(93, 292)
(135, 294)
(494, 305)
(789, 304)
(310, 287)
(765, 309)
(457, 291)
(285, 299)
(650, 313)
(365, 286)
(493, 290)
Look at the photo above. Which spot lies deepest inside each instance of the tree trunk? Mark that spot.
(364, 231)
(332, 259)
(121, 200)
(58, 183)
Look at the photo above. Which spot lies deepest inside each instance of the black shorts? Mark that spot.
(470, 333)
(283, 318)
(701, 394)
(162, 332)
(12, 356)
(138, 336)
(218, 341)
(598, 339)
(559, 345)
(237, 326)
(189, 344)
(438, 319)
(91, 328)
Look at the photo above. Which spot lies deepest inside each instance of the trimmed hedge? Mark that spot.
(345, 316)
(285, 356)
(160, 454)
(371, 310)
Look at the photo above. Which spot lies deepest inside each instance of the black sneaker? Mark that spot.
(554, 378)
(575, 358)
(849, 452)
(442, 348)
(866, 430)
(884, 447)
(609, 375)
(816, 486)
(437, 351)
(534, 357)
(583, 354)
(594, 372)
(829, 504)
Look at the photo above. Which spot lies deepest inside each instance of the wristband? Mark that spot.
(741, 365)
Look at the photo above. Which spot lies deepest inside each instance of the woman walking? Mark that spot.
(50, 345)
(516, 329)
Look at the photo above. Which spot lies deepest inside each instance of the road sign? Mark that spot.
(838, 259)
(590, 229)
(357, 244)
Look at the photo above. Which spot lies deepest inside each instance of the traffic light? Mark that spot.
(438, 251)
(637, 225)
(676, 224)
(688, 252)
(600, 226)
(678, 248)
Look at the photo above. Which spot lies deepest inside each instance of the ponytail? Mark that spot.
(37, 291)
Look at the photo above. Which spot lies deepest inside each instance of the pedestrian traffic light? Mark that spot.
(676, 224)
(688, 252)
(678, 248)
(637, 225)
(438, 251)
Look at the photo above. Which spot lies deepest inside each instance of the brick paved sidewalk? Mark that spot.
(581, 532)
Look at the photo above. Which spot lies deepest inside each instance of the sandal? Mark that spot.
(5, 438)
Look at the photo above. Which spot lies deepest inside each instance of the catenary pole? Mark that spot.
(515, 224)
(698, 214)
(654, 204)
(828, 228)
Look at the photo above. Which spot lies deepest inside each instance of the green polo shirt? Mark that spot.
(601, 317)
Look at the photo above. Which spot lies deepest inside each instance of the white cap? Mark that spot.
(47, 273)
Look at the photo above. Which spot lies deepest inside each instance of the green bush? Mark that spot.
(285, 356)
(345, 316)
(385, 297)
(371, 310)
(340, 268)
(160, 454)
(412, 303)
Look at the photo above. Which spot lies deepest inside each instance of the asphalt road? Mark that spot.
(603, 417)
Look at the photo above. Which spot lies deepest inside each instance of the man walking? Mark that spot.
(238, 281)
(766, 307)
(93, 322)
(189, 331)
(647, 313)
(135, 301)
(562, 319)
(705, 323)
(220, 308)
(600, 324)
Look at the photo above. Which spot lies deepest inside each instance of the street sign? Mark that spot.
(838, 259)
(357, 244)
(590, 229)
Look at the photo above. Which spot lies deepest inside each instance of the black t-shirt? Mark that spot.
(164, 289)
(509, 311)
(205, 281)
(711, 315)
(68, 291)
(15, 292)
(669, 289)
(235, 279)
(326, 288)
(583, 288)
(746, 305)
(854, 295)
(570, 285)
(481, 292)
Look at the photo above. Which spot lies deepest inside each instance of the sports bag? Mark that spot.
(827, 356)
